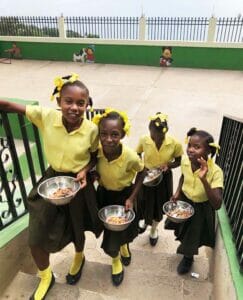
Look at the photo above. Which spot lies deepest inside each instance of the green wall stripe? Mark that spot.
(187, 57)
(13, 230)
(231, 251)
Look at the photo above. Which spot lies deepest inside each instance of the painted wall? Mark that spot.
(183, 56)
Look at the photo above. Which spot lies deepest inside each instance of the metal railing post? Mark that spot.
(142, 28)
(61, 27)
(211, 29)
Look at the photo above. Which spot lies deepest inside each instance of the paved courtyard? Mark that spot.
(190, 97)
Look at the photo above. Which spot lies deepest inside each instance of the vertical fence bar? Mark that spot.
(27, 149)
(225, 29)
(39, 149)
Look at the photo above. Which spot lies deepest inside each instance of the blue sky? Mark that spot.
(173, 8)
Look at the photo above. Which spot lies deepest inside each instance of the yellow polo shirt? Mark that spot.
(192, 186)
(65, 152)
(119, 173)
(169, 150)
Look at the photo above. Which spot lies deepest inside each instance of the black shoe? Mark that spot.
(185, 265)
(153, 238)
(117, 278)
(141, 230)
(50, 286)
(72, 279)
(126, 260)
(153, 241)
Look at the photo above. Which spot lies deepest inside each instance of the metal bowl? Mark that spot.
(116, 211)
(51, 185)
(170, 207)
(153, 178)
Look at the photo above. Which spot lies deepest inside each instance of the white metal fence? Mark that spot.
(200, 29)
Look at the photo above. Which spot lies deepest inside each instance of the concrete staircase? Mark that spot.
(151, 275)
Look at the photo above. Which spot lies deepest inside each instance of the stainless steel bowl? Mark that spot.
(169, 206)
(153, 178)
(51, 185)
(116, 211)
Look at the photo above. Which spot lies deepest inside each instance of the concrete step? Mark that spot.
(24, 284)
(150, 275)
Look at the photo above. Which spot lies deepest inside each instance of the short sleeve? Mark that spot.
(139, 148)
(34, 114)
(94, 140)
(218, 179)
(135, 163)
(178, 149)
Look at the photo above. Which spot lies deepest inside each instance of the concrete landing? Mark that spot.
(23, 286)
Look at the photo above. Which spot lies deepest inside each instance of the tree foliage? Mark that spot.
(34, 26)
(17, 26)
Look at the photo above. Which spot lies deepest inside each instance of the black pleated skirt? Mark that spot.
(197, 231)
(152, 199)
(112, 240)
(52, 227)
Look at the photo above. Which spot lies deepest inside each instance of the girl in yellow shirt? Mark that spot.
(70, 141)
(117, 167)
(201, 185)
(162, 151)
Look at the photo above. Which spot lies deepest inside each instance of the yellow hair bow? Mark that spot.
(97, 118)
(215, 146)
(161, 116)
(59, 82)
(73, 78)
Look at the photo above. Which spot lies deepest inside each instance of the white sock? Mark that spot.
(142, 224)
(154, 230)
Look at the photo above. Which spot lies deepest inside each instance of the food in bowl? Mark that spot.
(180, 213)
(153, 177)
(116, 220)
(115, 217)
(152, 174)
(61, 192)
